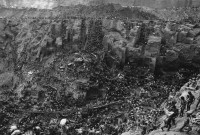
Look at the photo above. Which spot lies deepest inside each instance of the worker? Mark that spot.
(190, 100)
(183, 104)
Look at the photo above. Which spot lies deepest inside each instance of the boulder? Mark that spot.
(152, 49)
(2, 65)
(19, 90)
(171, 55)
(181, 36)
(56, 29)
(133, 52)
(6, 78)
(194, 32)
(134, 36)
(20, 48)
(74, 89)
(198, 40)
(74, 47)
(131, 132)
(9, 33)
(127, 133)
(188, 52)
(189, 40)
(49, 62)
(151, 62)
(172, 40)
(184, 27)
(168, 33)
(58, 41)
(2, 40)
(77, 24)
(134, 32)
(106, 23)
(2, 25)
(48, 39)
(113, 24)
(120, 50)
(190, 25)
(76, 37)
(120, 25)
(28, 75)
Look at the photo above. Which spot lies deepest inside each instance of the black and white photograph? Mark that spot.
(99, 67)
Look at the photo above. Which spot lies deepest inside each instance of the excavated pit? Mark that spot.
(98, 68)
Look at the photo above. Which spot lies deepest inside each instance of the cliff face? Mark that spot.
(148, 3)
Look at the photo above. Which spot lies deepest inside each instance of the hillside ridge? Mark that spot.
(49, 4)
